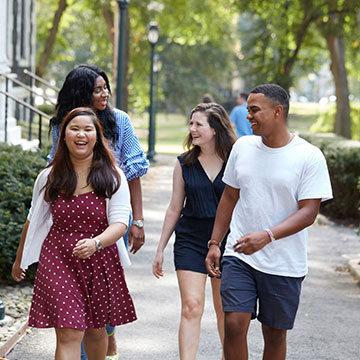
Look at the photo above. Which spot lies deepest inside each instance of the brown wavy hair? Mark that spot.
(225, 136)
(103, 176)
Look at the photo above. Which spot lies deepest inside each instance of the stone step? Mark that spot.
(32, 145)
(13, 134)
(11, 122)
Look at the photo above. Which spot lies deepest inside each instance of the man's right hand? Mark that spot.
(212, 261)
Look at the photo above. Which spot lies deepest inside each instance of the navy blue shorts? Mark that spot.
(243, 287)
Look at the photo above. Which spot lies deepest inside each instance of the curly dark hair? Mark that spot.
(103, 176)
(77, 91)
(225, 136)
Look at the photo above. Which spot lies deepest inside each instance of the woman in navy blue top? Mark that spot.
(197, 189)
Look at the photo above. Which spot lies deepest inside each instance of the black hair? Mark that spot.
(207, 98)
(244, 96)
(275, 93)
(77, 91)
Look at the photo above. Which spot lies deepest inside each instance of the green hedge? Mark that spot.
(343, 160)
(18, 170)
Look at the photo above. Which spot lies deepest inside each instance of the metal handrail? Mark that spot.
(32, 108)
(28, 88)
(38, 78)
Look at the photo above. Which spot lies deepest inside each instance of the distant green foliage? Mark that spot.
(325, 122)
(196, 47)
(82, 36)
(281, 39)
(47, 109)
(343, 160)
(18, 170)
(198, 35)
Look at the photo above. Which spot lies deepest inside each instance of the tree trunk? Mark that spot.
(109, 18)
(45, 55)
(336, 47)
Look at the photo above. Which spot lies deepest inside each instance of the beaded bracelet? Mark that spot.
(213, 242)
(271, 235)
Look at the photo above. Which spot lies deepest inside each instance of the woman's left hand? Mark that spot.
(84, 248)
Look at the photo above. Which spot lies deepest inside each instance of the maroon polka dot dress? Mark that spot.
(70, 292)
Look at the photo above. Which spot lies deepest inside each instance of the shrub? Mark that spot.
(18, 170)
(47, 109)
(343, 160)
(326, 121)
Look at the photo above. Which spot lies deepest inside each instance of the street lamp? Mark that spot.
(123, 4)
(153, 37)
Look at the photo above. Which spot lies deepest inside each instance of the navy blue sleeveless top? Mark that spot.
(202, 195)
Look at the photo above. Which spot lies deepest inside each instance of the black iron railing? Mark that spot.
(28, 106)
(24, 103)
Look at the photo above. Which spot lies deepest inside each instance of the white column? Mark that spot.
(4, 61)
(4, 29)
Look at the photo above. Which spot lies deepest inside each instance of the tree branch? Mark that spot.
(49, 44)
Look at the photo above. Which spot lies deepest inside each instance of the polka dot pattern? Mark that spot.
(70, 292)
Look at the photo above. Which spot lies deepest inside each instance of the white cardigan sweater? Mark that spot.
(40, 218)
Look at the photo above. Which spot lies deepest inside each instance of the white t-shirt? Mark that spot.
(271, 183)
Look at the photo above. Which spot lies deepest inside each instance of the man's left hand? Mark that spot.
(252, 242)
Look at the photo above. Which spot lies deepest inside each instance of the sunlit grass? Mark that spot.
(170, 132)
(303, 115)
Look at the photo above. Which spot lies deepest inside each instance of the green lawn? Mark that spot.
(171, 129)
(170, 132)
(303, 115)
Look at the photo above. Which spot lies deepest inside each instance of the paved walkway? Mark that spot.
(328, 321)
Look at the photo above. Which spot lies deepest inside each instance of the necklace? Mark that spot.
(290, 138)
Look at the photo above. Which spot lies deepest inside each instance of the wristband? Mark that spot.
(271, 235)
(213, 242)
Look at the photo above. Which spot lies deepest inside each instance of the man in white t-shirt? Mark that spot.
(275, 183)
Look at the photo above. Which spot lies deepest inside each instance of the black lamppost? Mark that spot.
(153, 37)
(123, 4)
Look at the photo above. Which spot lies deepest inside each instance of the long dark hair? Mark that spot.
(225, 137)
(103, 176)
(77, 91)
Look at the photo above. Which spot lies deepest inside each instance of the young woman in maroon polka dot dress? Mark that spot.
(80, 208)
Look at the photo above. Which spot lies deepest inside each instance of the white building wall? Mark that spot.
(17, 51)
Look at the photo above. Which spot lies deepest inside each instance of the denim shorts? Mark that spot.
(243, 289)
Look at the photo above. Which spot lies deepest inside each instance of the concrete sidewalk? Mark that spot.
(328, 321)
